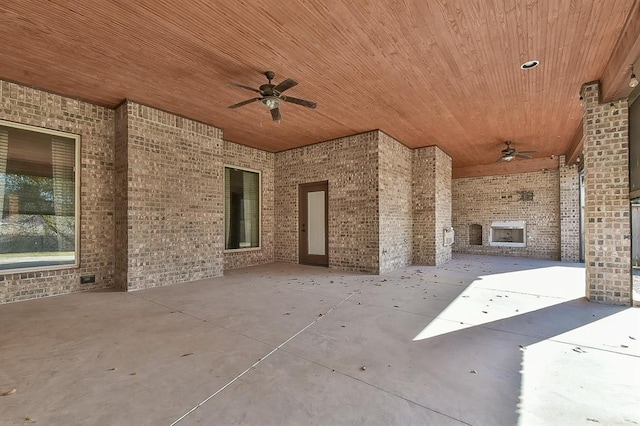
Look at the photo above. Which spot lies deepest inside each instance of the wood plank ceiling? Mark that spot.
(443, 72)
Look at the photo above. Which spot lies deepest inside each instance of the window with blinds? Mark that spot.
(38, 198)
(242, 208)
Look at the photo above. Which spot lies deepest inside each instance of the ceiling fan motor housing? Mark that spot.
(267, 89)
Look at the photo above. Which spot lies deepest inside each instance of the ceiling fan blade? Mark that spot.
(521, 155)
(527, 152)
(302, 102)
(284, 85)
(498, 160)
(245, 87)
(239, 104)
(275, 114)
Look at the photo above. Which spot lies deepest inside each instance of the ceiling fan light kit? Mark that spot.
(270, 102)
(271, 95)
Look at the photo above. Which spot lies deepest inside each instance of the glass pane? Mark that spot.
(316, 223)
(37, 199)
(242, 209)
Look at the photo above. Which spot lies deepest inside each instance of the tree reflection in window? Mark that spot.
(37, 199)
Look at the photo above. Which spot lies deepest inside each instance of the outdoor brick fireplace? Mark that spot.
(509, 233)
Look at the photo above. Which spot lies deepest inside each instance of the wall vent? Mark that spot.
(527, 195)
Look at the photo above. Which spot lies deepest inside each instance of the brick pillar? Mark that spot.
(431, 205)
(169, 198)
(121, 178)
(569, 212)
(4, 150)
(63, 159)
(607, 224)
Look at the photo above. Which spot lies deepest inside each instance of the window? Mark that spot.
(39, 183)
(241, 209)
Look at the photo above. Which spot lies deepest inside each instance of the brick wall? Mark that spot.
(432, 204)
(396, 219)
(444, 212)
(121, 207)
(569, 212)
(481, 200)
(607, 223)
(255, 159)
(175, 198)
(350, 165)
(96, 127)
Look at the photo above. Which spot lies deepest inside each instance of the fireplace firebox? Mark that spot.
(508, 233)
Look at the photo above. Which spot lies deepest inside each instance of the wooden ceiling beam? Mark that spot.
(615, 79)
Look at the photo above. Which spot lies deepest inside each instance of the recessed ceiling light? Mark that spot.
(530, 64)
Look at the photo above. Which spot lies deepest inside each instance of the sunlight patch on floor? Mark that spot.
(495, 297)
(590, 361)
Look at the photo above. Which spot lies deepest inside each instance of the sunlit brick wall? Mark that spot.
(607, 209)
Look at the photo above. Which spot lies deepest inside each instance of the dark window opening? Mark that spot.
(242, 209)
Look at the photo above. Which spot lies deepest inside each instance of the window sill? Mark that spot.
(241, 250)
(48, 268)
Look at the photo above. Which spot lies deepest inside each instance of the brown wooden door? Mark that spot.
(313, 222)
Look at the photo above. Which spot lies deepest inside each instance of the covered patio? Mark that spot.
(479, 340)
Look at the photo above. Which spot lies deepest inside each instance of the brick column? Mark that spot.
(569, 212)
(169, 198)
(607, 224)
(4, 151)
(431, 205)
(121, 205)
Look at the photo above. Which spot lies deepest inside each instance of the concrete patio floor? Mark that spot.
(480, 340)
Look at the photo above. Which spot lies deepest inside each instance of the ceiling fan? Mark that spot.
(271, 95)
(509, 153)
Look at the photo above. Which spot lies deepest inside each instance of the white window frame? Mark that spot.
(224, 186)
(77, 140)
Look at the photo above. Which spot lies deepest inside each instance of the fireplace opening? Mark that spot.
(475, 234)
(510, 233)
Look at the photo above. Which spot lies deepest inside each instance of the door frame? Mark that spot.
(303, 256)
